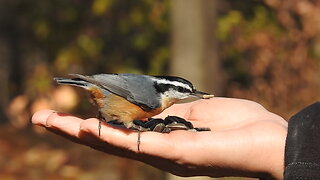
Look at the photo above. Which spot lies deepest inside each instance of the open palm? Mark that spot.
(245, 139)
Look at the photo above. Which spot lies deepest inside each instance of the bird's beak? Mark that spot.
(202, 95)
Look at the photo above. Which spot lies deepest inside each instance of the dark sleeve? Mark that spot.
(302, 151)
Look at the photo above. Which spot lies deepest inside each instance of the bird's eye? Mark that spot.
(180, 89)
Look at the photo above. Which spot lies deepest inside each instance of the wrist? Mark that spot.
(274, 158)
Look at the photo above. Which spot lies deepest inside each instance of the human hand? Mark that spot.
(245, 139)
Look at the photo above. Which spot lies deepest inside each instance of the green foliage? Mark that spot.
(235, 24)
(99, 36)
(227, 22)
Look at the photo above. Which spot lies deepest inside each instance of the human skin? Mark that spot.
(245, 139)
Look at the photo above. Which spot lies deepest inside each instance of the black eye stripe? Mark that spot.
(162, 87)
(181, 89)
(178, 79)
(165, 87)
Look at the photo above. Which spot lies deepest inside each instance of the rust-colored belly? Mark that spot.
(122, 110)
(114, 107)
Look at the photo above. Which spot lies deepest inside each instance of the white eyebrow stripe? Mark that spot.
(175, 83)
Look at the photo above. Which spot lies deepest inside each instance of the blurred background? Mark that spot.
(267, 51)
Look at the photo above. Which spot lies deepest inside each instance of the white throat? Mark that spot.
(175, 94)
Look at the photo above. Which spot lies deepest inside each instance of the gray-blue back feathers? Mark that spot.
(137, 89)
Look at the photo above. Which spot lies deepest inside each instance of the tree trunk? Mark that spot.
(194, 54)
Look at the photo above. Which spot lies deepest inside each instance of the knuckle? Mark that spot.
(50, 121)
(85, 125)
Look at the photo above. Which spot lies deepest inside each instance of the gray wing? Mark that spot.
(142, 90)
(135, 88)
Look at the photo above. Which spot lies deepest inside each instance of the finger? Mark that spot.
(67, 124)
(40, 117)
(64, 123)
(152, 143)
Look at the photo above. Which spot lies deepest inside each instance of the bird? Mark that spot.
(125, 97)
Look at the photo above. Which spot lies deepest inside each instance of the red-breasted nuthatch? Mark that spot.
(129, 97)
